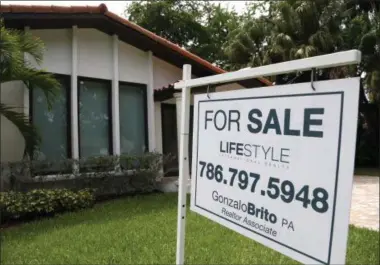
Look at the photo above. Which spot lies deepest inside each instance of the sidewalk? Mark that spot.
(365, 202)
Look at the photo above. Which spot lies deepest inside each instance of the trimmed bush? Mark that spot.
(110, 176)
(32, 189)
(38, 203)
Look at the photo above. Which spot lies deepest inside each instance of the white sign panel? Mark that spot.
(276, 164)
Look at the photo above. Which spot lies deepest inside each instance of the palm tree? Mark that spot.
(13, 67)
(295, 29)
(289, 30)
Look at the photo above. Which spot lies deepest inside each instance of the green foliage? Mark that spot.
(39, 202)
(198, 26)
(110, 176)
(98, 163)
(21, 121)
(40, 188)
(142, 230)
(14, 45)
(277, 31)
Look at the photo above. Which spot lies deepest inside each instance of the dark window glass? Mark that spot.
(53, 125)
(133, 129)
(94, 117)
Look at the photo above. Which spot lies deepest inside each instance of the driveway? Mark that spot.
(365, 202)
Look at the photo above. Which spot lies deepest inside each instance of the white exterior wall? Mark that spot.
(12, 143)
(165, 73)
(94, 59)
(133, 64)
(94, 54)
(158, 121)
(57, 56)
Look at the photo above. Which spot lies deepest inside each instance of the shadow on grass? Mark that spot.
(103, 213)
(142, 230)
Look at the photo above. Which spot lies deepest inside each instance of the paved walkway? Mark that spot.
(365, 202)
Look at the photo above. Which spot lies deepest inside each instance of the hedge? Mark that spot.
(107, 174)
(38, 203)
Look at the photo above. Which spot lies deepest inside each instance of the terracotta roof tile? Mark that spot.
(53, 9)
(5, 9)
(102, 9)
(41, 9)
(60, 9)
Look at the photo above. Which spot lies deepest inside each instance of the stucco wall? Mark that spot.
(95, 59)
(158, 121)
(12, 143)
(133, 64)
(57, 56)
(94, 54)
(165, 73)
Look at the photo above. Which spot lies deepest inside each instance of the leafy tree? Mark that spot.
(198, 26)
(294, 29)
(277, 31)
(13, 67)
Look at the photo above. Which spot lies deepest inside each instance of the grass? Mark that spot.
(142, 230)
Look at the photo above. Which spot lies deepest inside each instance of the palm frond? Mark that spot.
(33, 46)
(28, 131)
(256, 32)
(310, 51)
(300, 52)
(372, 85)
(323, 41)
(237, 52)
(284, 41)
(368, 43)
(13, 45)
(11, 56)
(35, 78)
(288, 20)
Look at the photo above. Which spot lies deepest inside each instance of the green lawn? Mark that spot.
(142, 230)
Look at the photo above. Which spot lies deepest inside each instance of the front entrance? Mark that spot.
(169, 137)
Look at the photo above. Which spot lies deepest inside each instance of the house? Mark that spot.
(117, 80)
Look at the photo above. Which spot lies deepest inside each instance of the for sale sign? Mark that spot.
(276, 165)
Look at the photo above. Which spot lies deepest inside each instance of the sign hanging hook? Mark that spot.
(313, 70)
(208, 89)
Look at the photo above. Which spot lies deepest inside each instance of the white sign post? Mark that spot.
(276, 164)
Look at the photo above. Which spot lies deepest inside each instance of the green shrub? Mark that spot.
(39, 202)
(97, 164)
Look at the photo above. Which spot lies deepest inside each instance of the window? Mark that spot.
(169, 137)
(53, 125)
(133, 119)
(94, 117)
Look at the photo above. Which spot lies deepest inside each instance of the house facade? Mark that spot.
(117, 78)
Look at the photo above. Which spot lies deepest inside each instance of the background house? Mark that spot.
(117, 95)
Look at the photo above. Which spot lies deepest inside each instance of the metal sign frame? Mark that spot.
(318, 62)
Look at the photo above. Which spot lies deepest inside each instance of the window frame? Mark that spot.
(67, 81)
(109, 101)
(146, 124)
